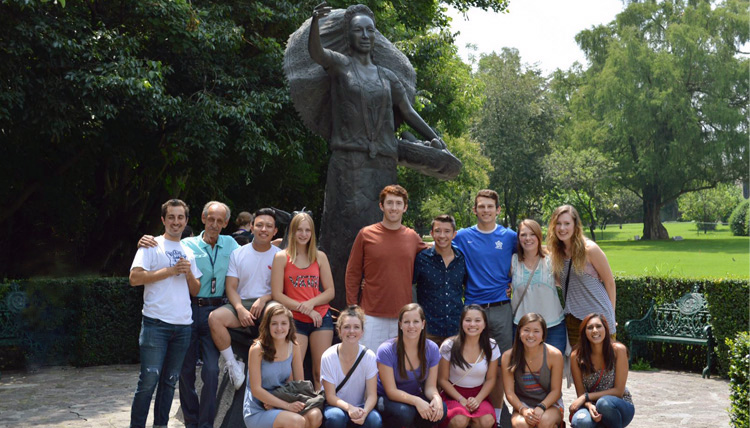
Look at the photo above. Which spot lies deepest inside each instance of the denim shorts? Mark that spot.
(307, 328)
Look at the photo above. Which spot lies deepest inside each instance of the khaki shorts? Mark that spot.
(247, 303)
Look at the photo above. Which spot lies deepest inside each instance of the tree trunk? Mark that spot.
(592, 229)
(652, 227)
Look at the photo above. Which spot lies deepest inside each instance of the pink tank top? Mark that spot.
(302, 285)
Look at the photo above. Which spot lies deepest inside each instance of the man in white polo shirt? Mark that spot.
(248, 288)
(170, 276)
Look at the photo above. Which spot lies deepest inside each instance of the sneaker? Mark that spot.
(237, 374)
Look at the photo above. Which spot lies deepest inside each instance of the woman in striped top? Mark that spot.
(532, 376)
(589, 287)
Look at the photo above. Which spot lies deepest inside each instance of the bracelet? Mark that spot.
(542, 406)
(587, 397)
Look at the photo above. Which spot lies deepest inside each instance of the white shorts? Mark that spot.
(378, 330)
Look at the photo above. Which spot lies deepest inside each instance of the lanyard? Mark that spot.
(213, 262)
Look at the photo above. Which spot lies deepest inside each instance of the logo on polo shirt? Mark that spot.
(498, 245)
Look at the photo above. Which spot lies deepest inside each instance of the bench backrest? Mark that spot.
(686, 317)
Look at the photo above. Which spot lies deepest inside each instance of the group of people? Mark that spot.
(481, 293)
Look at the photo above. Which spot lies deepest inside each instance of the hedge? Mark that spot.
(738, 379)
(739, 220)
(96, 321)
(81, 321)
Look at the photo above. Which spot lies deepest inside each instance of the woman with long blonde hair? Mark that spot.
(297, 275)
(582, 269)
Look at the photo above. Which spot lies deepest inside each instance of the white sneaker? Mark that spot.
(237, 374)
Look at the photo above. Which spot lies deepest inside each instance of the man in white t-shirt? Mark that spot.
(170, 276)
(248, 288)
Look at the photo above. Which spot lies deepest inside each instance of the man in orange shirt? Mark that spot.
(381, 265)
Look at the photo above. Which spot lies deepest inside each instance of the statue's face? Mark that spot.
(361, 34)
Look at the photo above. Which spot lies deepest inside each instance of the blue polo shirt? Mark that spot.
(488, 256)
(440, 290)
(212, 262)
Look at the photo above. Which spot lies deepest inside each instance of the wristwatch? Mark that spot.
(543, 407)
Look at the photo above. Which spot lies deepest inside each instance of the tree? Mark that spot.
(514, 127)
(586, 174)
(430, 197)
(109, 108)
(710, 205)
(665, 98)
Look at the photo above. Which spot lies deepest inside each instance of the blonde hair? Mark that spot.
(312, 249)
(556, 247)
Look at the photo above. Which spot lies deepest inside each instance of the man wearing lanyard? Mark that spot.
(488, 248)
(212, 252)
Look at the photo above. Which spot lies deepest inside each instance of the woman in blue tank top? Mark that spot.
(274, 359)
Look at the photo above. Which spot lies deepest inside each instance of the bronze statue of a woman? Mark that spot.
(353, 87)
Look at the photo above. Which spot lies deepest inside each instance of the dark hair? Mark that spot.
(187, 232)
(443, 218)
(487, 193)
(457, 357)
(174, 203)
(517, 356)
(583, 347)
(266, 211)
(401, 350)
(267, 349)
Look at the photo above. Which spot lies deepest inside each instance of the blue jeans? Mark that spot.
(396, 414)
(163, 347)
(335, 417)
(200, 415)
(616, 413)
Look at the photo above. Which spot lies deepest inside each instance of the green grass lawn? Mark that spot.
(716, 254)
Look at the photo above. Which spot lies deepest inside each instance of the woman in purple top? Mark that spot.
(407, 374)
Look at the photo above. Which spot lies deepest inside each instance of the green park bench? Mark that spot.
(11, 331)
(685, 321)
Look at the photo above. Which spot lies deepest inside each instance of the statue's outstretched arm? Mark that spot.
(413, 119)
(318, 53)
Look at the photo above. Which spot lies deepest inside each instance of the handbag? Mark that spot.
(351, 370)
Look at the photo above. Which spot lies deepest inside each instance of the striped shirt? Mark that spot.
(585, 294)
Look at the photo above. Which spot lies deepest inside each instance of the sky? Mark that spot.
(543, 31)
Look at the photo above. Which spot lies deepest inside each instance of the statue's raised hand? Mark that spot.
(321, 10)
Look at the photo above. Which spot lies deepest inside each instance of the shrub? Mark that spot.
(738, 379)
(740, 219)
(95, 321)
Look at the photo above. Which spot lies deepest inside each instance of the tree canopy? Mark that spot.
(666, 97)
(515, 126)
(108, 108)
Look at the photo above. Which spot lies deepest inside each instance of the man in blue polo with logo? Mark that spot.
(488, 248)
(212, 251)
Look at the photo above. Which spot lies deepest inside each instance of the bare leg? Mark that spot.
(459, 421)
(220, 321)
(320, 340)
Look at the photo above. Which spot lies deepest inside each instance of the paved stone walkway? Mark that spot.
(101, 396)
